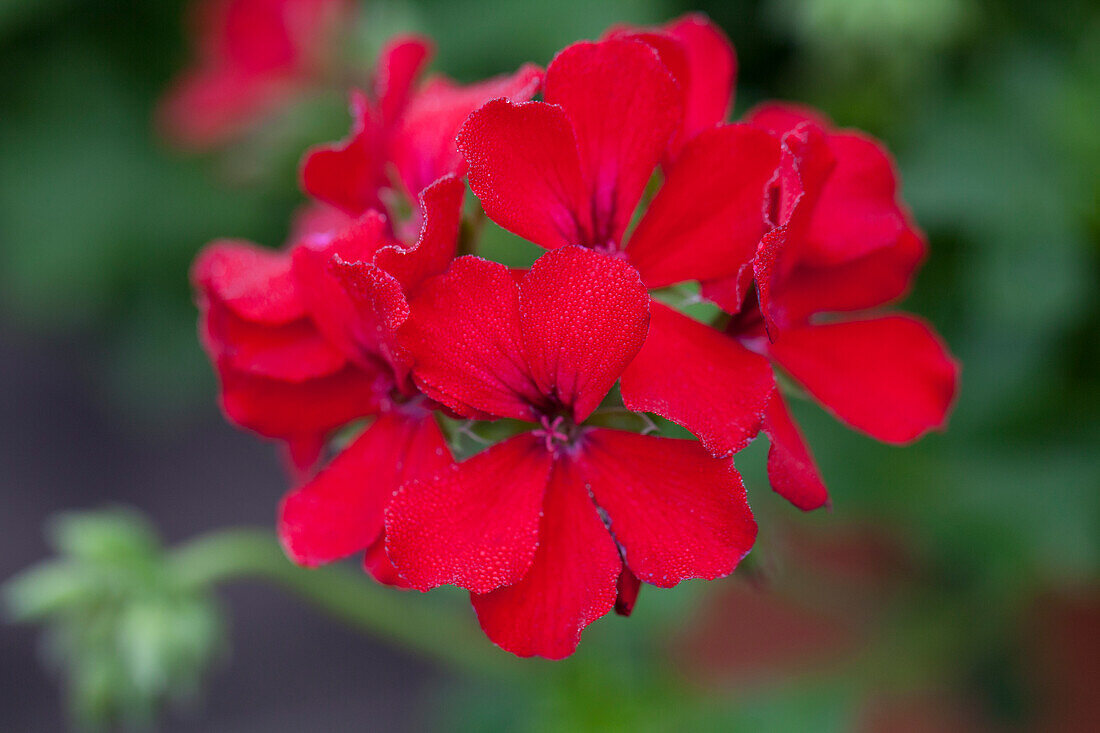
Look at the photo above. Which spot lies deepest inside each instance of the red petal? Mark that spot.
(262, 34)
(624, 107)
(349, 175)
(701, 59)
(800, 179)
(279, 409)
(674, 57)
(312, 219)
(708, 217)
(804, 162)
(205, 108)
(463, 334)
(768, 270)
(294, 351)
(807, 165)
(791, 468)
(584, 316)
(713, 70)
(301, 454)
(699, 378)
(440, 216)
(677, 512)
(729, 293)
(376, 306)
(475, 525)
(352, 328)
(378, 290)
(256, 283)
(780, 118)
(399, 64)
(890, 377)
(524, 167)
(627, 592)
(858, 211)
(570, 584)
(340, 510)
(424, 148)
(252, 56)
(880, 277)
(377, 563)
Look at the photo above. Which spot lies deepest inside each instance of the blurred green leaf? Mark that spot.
(112, 536)
(45, 590)
(128, 633)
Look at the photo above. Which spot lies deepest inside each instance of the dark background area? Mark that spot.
(290, 668)
(105, 396)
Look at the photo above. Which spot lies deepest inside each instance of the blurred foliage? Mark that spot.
(990, 107)
(126, 630)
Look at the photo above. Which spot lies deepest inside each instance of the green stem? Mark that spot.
(470, 233)
(400, 618)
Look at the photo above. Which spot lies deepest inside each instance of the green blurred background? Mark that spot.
(984, 604)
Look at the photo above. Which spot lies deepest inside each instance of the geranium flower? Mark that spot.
(842, 243)
(572, 170)
(253, 56)
(549, 528)
(398, 128)
(300, 352)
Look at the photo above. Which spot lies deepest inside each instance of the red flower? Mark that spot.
(303, 342)
(412, 130)
(572, 170)
(252, 57)
(548, 528)
(843, 243)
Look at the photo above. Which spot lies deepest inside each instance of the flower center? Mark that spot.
(558, 432)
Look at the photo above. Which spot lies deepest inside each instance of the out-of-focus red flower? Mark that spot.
(542, 527)
(747, 634)
(573, 169)
(1061, 637)
(925, 711)
(1059, 658)
(826, 601)
(251, 57)
(399, 128)
(818, 608)
(303, 343)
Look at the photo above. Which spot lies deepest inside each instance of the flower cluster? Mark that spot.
(628, 174)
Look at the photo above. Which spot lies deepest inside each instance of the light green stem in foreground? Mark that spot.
(400, 618)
